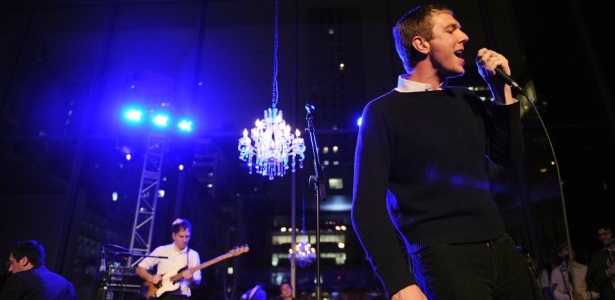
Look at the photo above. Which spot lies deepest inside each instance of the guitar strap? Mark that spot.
(187, 257)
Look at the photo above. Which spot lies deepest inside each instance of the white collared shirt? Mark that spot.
(408, 86)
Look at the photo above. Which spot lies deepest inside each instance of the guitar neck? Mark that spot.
(234, 252)
(206, 264)
(210, 262)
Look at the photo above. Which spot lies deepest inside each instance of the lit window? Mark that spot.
(274, 260)
(336, 183)
(335, 149)
(325, 150)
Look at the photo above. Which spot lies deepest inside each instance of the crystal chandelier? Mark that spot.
(271, 144)
(305, 254)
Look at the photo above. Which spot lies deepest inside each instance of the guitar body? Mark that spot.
(167, 284)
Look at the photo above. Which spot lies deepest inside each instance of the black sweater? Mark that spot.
(424, 152)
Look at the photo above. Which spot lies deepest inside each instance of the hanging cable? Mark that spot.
(558, 174)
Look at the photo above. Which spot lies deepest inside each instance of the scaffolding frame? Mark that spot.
(145, 212)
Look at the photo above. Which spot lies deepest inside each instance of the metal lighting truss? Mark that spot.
(141, 239)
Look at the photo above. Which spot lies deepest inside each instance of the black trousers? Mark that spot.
(487, 270)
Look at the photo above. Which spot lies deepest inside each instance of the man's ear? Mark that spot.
(420, 44)
(24, 261)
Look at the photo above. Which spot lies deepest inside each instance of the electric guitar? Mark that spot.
(170, 282)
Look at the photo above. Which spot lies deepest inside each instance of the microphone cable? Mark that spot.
(516, 87)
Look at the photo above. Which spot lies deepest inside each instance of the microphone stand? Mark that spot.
(568, 274)
(103, 260)
(320, 193)
(103, 269)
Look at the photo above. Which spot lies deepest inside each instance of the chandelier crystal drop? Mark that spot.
(305, 254)
(271, 145)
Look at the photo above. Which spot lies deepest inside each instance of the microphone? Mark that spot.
(508, 80)
(103, 261)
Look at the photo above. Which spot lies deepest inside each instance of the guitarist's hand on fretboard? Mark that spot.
(187, 274)
(155, 279)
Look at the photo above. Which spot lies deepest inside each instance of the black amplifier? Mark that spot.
(121, 275)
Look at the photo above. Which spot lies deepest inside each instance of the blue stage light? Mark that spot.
(134, 115)
(185, 126)
(161, 120)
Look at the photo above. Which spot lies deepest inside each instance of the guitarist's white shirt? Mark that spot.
(176, 261)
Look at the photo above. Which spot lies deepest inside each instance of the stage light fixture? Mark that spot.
(161, 119)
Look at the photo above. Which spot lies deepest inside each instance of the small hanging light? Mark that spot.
(305, 255)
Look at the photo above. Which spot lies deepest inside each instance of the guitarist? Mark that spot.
(179, 256)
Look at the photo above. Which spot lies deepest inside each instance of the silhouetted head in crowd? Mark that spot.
(286, 291)
(605, 235)
(26, 255)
